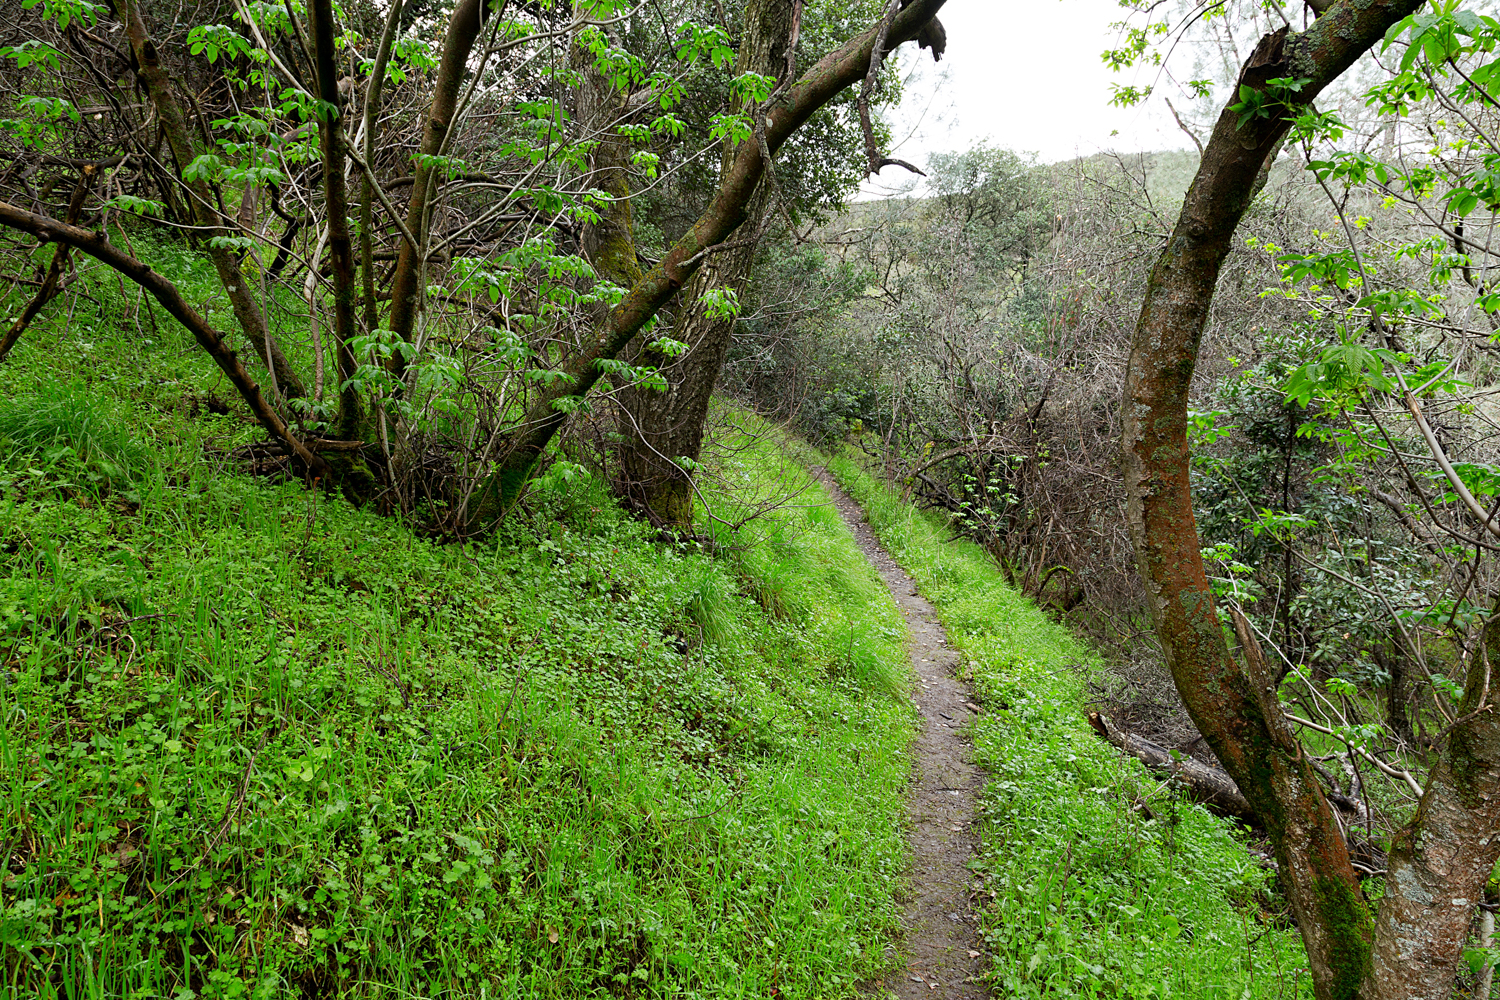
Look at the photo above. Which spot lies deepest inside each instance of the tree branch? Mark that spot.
(52, 231)
(832, 74)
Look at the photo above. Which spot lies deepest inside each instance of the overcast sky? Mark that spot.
(1027, 77)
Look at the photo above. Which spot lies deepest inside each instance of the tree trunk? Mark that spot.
(835, 71)
(1393, 660)
(463, 31)
(336, 198)
(373, 91)
(1440, 862)
(660, 427)
(609, 244)
(201, 199)
(1236, 708)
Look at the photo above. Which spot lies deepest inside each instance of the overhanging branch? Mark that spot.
(96, 246)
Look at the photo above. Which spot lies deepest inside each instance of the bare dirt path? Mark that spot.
(939, 939)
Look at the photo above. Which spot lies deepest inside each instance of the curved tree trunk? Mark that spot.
(1236, 707)
(52, 283)
(658, 428)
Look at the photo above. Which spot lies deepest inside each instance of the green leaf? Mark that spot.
(205, 167)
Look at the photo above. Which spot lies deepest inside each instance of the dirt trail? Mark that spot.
(939, 939)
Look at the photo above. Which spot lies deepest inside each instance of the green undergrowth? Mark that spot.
(1101, 880)
(256, 742)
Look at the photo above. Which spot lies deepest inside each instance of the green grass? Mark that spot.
(64, 425)
(256, 742)
(1087, 896)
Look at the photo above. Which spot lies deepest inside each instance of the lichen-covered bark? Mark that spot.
(835, 71)
(180, 139)
(1439, 863)
(659, 427)
(1235, 707)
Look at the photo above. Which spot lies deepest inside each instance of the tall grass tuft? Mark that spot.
(64, 424)
(711, 609)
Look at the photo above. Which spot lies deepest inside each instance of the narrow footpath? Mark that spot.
(939, 942)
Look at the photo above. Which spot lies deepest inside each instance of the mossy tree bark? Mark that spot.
(1441, 860)
(837, 70)
(659, 428)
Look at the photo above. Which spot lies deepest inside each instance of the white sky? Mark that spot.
(1027, 77)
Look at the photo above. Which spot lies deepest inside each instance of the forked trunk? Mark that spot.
(166, 293)
(52, 283)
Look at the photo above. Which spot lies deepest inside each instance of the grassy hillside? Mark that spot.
(1100, 879)
(255, 742)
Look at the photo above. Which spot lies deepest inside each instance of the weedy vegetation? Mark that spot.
(1100, 879)
(257, 742)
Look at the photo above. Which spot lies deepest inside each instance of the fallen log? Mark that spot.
(1215, 790)
(1211, 786)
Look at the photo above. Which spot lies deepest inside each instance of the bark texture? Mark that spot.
(835, 71)
(200, 198)
(1440, 862)
(50, 230)
(463, 31)
(659, 427)
(1236, 707)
